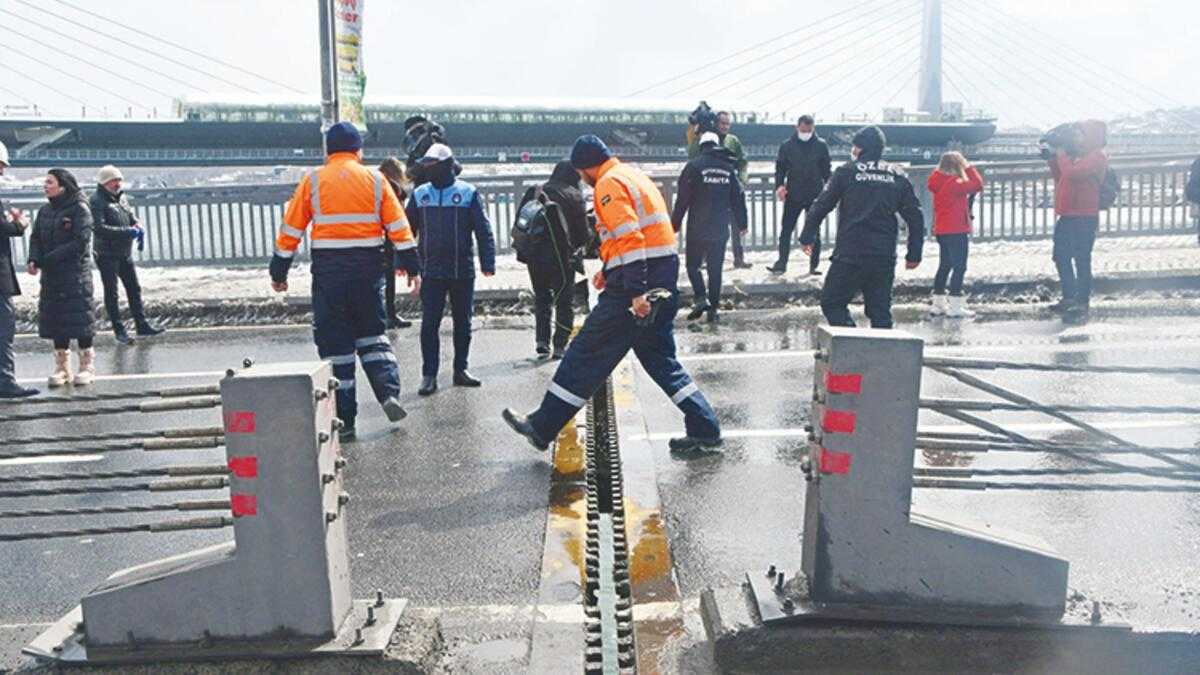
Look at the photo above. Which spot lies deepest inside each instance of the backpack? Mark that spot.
(531, 236)
(1110, 189)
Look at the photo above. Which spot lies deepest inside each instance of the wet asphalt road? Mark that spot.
(743, 508)
(450, 509)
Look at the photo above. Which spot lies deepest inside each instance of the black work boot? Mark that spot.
(394, 411)
(543, 351)
(520, 424)
(147, 329)
(428, 385)
(120, 334)
(713, 316)
(559, 352)
(347, 432)
(687, 443)
(464, 379)
(15, 390)
(697, 312)
(398, 321)
(778, 268)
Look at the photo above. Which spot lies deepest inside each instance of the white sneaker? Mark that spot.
(87, 367)
(62, 368)
(938, 307)
(958, 308)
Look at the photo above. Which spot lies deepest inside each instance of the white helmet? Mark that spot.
(3, 154)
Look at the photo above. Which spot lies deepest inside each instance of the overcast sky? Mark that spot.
(844, 57)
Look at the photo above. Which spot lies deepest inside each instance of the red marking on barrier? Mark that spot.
(848, 383)
(834, 462)
(244, 505)
(244, 467)
(240, 422)
(838, 421)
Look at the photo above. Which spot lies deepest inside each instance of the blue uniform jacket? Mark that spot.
(444, 220)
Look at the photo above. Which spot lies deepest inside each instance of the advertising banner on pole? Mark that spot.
(351, 78)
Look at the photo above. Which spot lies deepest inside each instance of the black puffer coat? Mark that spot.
(60, 246)
(112, 218)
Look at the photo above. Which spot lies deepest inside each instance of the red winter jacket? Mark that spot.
(950, 200)
(1077, 181)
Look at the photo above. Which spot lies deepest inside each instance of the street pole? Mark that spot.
(329, 94)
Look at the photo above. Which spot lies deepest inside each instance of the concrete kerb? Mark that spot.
(743, 644)
(297, 310)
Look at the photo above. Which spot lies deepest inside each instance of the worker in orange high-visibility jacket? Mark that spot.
(641, 263)
(349, 211)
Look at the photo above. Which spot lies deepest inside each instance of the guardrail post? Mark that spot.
(285, 579)
(863, 547)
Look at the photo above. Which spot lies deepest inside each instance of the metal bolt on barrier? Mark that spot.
(287, 569)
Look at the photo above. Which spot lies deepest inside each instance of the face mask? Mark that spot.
(804, 135)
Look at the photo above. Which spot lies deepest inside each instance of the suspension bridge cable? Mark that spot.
(887, 81)
(751, 48)
(105, 51)
(852, 20)
(43, 84)
(955, 87)
(836, 67)
(102, 69)
(1004, 76)
(1100, 81)
(1034, 115)
(1067, 50)
(913, 67)
(1006, 54)
(14, 94)
(124, 41)
(41, 81)
(872, 73)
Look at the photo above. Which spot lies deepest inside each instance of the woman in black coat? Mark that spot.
(60, 249)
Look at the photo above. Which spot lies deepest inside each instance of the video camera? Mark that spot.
(1067, 137)
(704, 117)
(420, 133)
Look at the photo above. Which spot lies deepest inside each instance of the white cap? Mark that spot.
(108, 173)
(438, 152)
(3, 154)
(709, 137)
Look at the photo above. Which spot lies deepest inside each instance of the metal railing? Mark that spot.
(237, 223)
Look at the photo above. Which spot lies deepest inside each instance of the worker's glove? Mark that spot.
(656, 298)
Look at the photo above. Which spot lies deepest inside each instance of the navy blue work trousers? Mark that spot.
(711, 254)
(847, 278)
(349, 318)
(433, 307)
(608, 334)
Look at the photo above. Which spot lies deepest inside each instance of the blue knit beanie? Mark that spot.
(589, 151)
(343, 137)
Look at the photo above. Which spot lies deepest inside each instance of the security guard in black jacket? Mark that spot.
(710, 191)
(801, 170)
(868, 194)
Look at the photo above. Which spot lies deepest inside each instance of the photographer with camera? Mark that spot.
(703, 120)
(1079, 165)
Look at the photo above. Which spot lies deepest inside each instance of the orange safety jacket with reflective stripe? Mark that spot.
(348, 206)
(637, 242)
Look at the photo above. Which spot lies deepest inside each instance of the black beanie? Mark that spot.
(871, 141)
